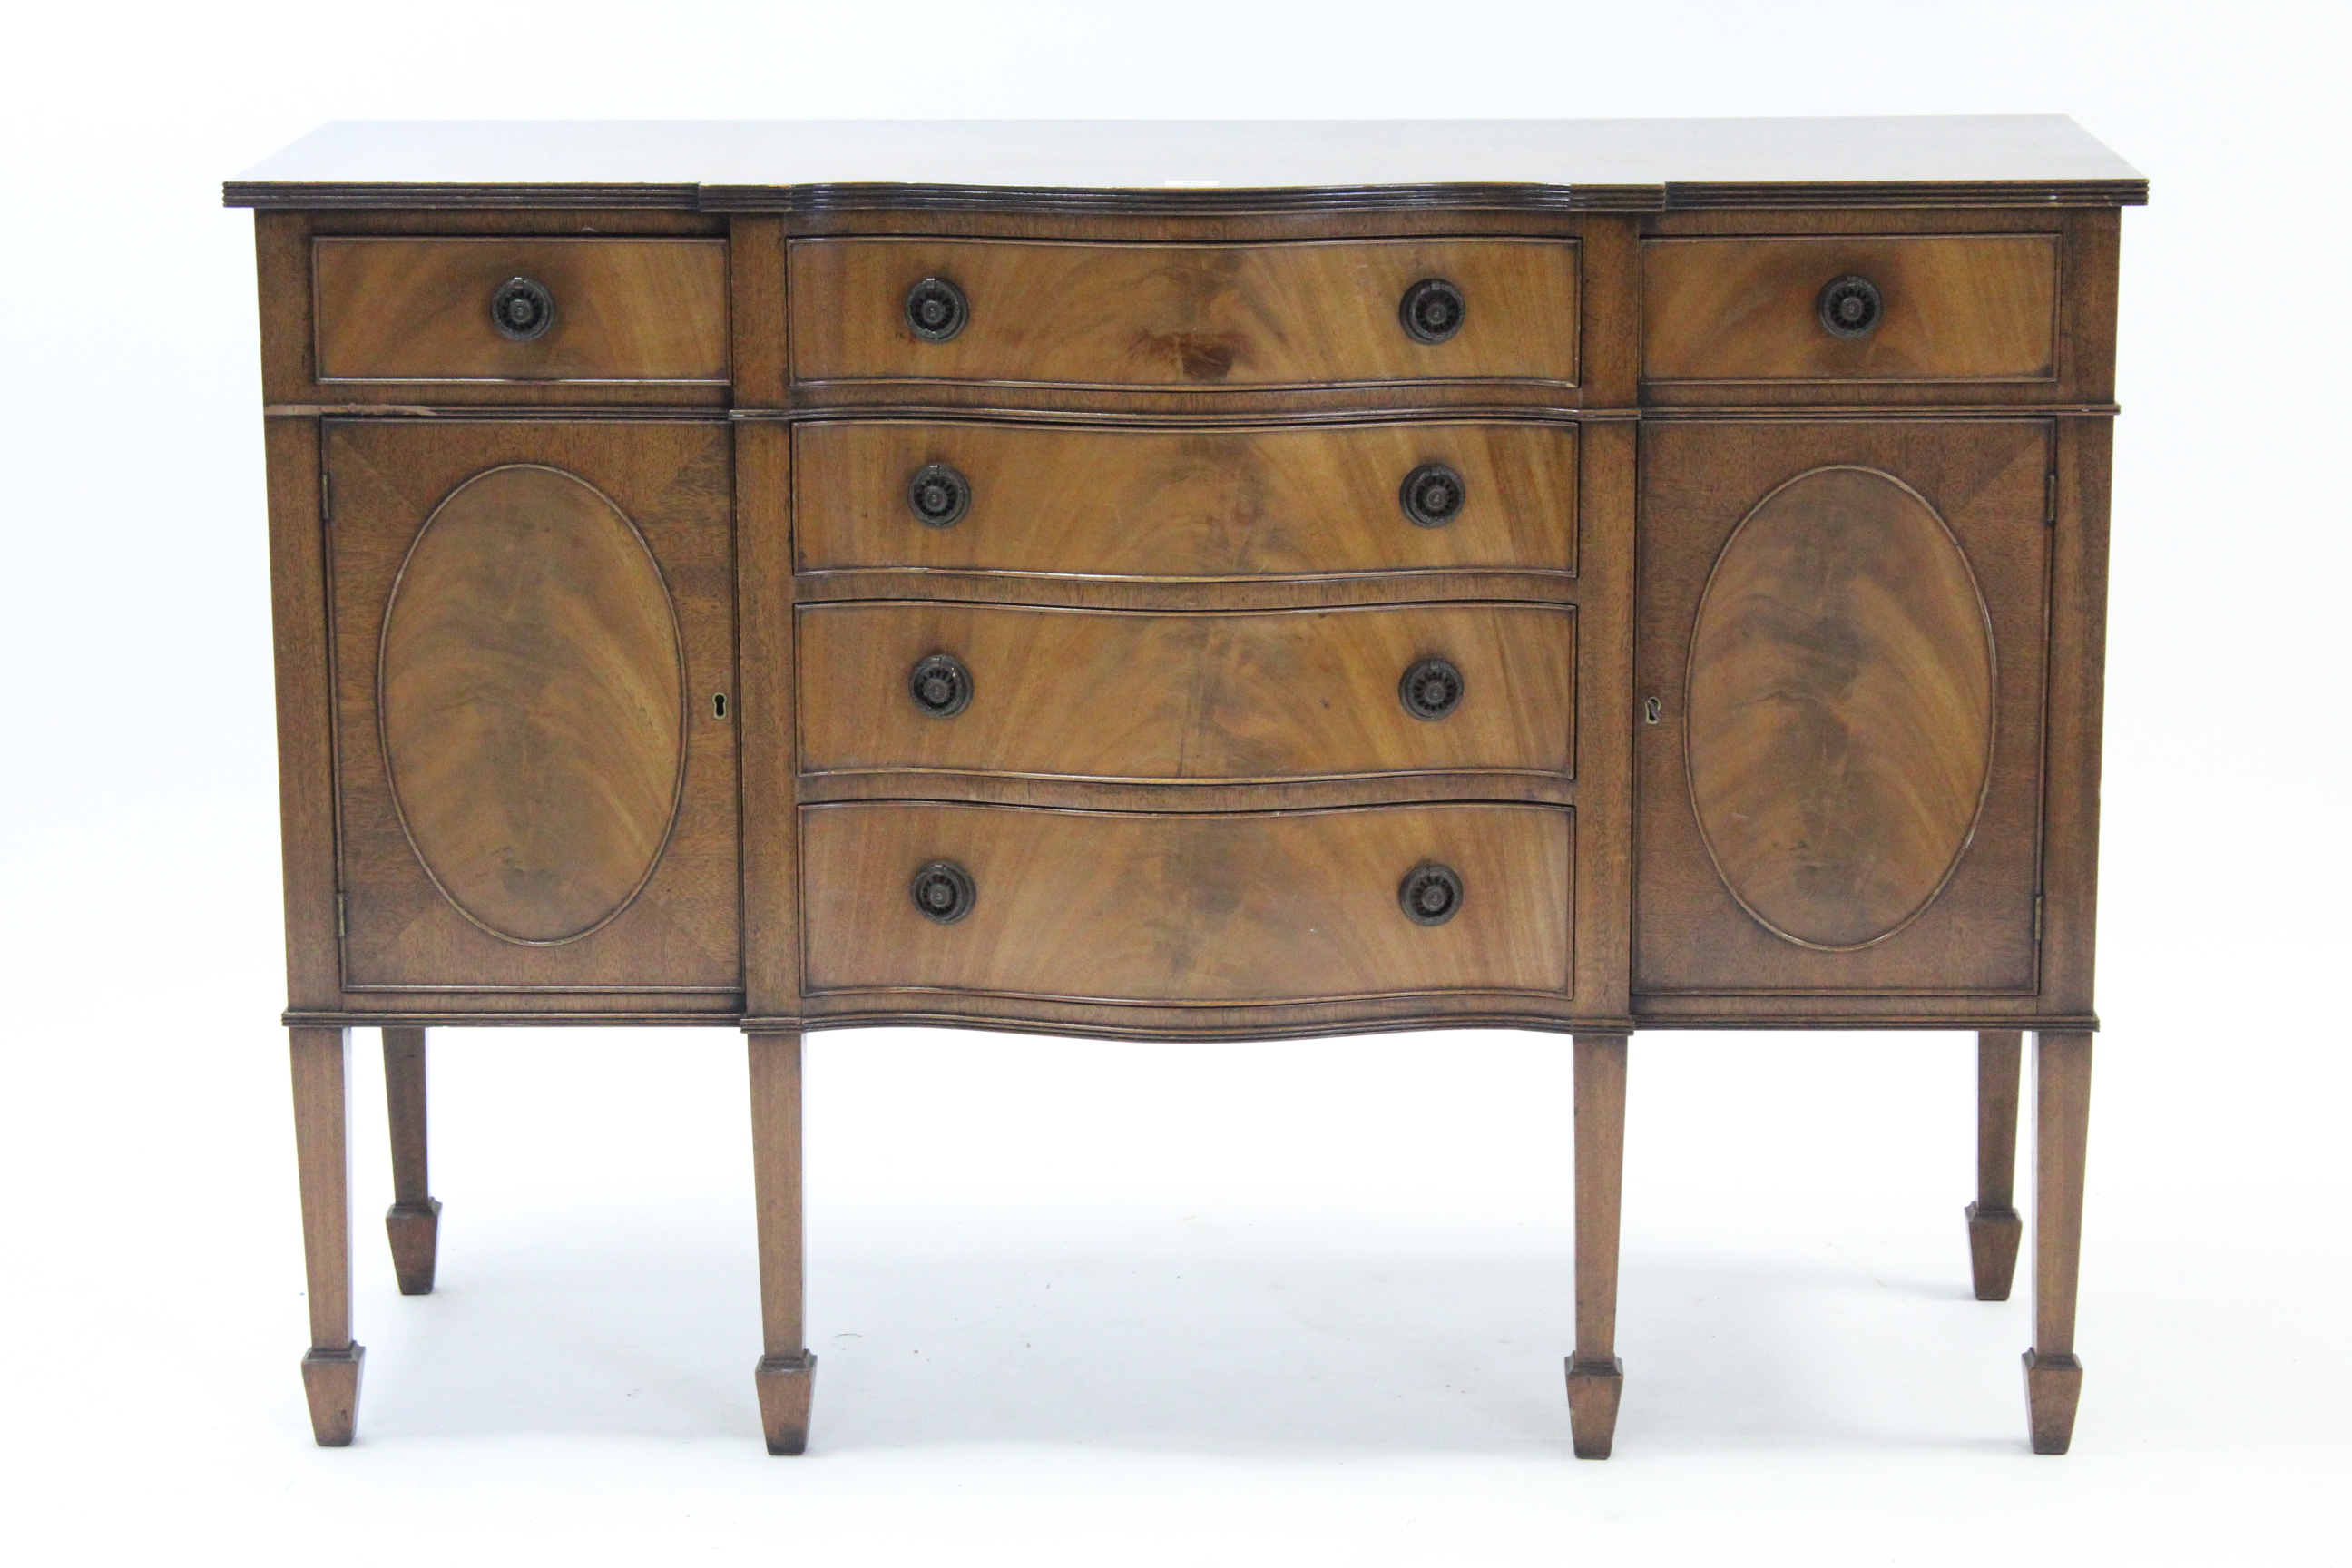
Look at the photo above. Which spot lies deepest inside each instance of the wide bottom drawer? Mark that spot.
(1256, 906)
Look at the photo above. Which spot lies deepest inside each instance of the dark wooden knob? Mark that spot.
(522, 309)
(1433, 310)
(941, 685)
(935, 309)
(1850, 306)
(1431, 688)
(943, 891)
(1433, 495)
(1431, 894)
(939, 495)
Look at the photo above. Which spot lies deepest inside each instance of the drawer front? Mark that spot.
(1936, 307)
(1129, 695)
(1193, 504)
(1183, 315)
(1245, 908)
(609, 310)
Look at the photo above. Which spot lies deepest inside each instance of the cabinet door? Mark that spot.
(536, 786)
(1840, 664)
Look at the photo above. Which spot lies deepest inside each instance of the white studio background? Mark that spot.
(1118, 1304)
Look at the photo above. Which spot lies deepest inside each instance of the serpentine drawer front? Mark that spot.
(1184, 315)
(1192, 581)
(1282, 502)
(1210, 907)
(1130, 694)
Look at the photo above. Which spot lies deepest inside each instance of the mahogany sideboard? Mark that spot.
(1165, 581)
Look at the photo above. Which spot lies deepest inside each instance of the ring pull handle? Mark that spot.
(938, 495)
(941, 685)
(1432, 494)
(1431, 894)
(935, 309)
(521, 309)
(1850, 306)
(1432, 311)
(1430, 690)
(943, 891)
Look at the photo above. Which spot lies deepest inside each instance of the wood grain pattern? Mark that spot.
(670, 479)
(1184, 315)
(1123, 695)
(419, 310)
(1259, 907)
(1838, 721)
(532, 690)
(1989, 480)
(1206, 505)
(1958, 308)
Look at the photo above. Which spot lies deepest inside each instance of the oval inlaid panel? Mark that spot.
(1840, 711)
(533, 700)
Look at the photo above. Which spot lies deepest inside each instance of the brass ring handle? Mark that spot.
(1432, 311)
(939, 495)
(1432, 494)
(941, 685)
(521, 309)
(1430, 690)
(1431, 894)
(1850, 306)
(944, 892)
(935, 309)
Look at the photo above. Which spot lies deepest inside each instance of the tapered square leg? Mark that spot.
(1596, 1378)
(1995, 1227)
(2061, 1123)
(786, 1374)
(413, 1221)
(330, 1372)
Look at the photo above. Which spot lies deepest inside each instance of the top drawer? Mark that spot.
(1855, 308)
(521, 309)
(1150, 315)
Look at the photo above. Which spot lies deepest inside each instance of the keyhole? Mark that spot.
(719, 706)
(1652, 710)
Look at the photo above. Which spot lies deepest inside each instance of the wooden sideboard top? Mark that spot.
(1195, 166)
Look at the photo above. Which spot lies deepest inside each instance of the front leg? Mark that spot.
(2062, 1115)
(1596, 1378)
(786, 1376)
(330, 1371)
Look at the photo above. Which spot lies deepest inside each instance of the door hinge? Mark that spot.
(342, 926)
(326, 498)
(2037, 916)
(2050, 501)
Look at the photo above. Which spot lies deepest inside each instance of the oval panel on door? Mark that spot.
(532, 702)
(1840, 709)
